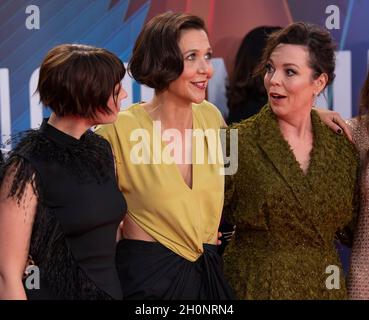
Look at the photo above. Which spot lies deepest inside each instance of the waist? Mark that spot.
(132, 231)
(136, 246)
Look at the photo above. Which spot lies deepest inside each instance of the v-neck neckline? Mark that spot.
(312, 153)
(163, 145)
(279, 152)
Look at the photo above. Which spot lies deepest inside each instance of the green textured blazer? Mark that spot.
(287, 221)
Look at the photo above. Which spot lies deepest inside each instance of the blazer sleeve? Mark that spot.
(242, 205)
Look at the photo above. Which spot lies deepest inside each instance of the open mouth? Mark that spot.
(276, 96)
(199, 84)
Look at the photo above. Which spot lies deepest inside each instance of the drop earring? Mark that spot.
(314, 99)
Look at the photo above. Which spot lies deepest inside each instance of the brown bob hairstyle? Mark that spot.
(78, 80)
(318, 42)
(156, 58)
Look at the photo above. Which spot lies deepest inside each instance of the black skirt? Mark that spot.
(149, 270)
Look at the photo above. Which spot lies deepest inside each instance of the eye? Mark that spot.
(290, 72)
(269, 68)
(208, 56)
(191, 57)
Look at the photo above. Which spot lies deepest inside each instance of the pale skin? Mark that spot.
(173, 107)
(334, 120)
(16, 222)
(17, 218)
(291, 90)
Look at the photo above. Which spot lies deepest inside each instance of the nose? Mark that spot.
(275, 78)
(123, 93)
(203, 66)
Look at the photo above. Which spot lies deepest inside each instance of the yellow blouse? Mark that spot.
(159, 201)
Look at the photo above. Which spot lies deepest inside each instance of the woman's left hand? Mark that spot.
(226, 235)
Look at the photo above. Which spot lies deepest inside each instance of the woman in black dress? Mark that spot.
(60, 207)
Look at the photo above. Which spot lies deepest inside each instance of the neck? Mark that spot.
(71, 125)
(298, 125)
(173, 113)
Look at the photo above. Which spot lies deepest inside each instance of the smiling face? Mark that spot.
(289, 80)
(190, 86)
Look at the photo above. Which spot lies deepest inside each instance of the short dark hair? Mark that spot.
(78, 79)
(318, 42)
(156, 58)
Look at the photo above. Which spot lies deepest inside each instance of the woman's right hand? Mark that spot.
(334, 121)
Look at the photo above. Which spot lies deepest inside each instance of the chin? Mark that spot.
(198, 100)
(279, 110)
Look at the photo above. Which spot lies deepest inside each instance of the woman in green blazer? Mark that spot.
(295, 188)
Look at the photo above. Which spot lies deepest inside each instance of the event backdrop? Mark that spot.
(28, 29)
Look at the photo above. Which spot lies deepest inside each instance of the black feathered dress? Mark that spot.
(79, 209)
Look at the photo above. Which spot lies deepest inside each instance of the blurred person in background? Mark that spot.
(246, 93)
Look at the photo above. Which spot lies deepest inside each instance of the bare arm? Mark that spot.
(16, 221)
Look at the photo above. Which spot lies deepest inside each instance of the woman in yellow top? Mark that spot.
(169, 175)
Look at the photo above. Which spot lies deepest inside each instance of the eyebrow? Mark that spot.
(196, 50)
(291, 65)
(286, 64)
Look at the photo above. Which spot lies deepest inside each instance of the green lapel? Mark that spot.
(280, 154)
